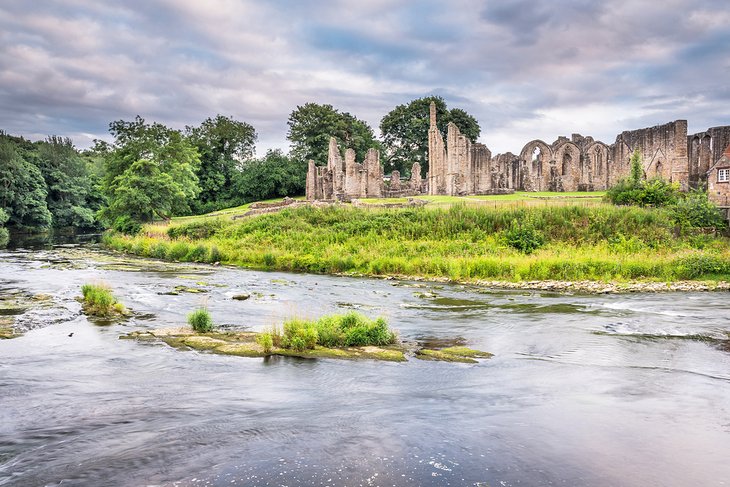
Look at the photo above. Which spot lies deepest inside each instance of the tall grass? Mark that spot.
(332, 331)
(200, 320)
(601, 242)
(98, 300)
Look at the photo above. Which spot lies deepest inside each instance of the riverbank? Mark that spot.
(551, 247)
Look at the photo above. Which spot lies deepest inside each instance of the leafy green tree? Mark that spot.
(223, 144)
(23, 191)
(405, 131)
(73, 193)
(149, 173)
(4, 235)
(312, 125)
(275, 175)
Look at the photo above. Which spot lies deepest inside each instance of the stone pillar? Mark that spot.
(373, 174)
(395, 181)
(352, 175)
(415, 182)
(436, 157)
(311, 187)
(336, 165)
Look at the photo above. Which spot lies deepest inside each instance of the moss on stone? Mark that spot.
(453, 354)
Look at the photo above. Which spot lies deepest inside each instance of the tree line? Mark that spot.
(150, 171)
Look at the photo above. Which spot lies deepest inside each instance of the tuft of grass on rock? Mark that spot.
(98, 300)
(200, 320)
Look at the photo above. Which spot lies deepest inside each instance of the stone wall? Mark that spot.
(704, 149)
(663, 151)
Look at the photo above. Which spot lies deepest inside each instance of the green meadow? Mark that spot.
(507, 237)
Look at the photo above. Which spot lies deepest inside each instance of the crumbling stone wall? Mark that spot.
(663, 151)
(344, 179)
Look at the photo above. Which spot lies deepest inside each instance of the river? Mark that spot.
(583, 390)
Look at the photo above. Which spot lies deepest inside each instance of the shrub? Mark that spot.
(697, 211)
(524, 237)
(198, 253)
(98, 300)
(196, 230)
(200, 320)
(127, 225)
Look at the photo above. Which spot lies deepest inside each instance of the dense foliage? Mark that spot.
(4, 235)
(275, 175)
(311, 126)
(47, 184)
(405, 131)
(150, 173)
(224, 144)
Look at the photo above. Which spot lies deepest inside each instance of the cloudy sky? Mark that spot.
(524, 68)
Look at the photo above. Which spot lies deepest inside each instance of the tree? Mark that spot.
(273, 176)
(223, 144)
(149, 172)
(73, 194)
(4, 235)
(22, 189)
(312, 125)
(405, 131)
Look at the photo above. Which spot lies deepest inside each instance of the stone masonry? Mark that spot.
(460, 167)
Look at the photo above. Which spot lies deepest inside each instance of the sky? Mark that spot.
(526, 69)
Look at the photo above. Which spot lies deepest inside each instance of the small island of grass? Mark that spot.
(348, 336)
(98, 301)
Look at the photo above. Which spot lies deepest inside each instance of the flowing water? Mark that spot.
(615, 390)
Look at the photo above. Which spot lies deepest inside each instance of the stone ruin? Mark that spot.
(459, 167)
(345, 179)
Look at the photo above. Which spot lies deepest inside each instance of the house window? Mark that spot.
(723, 175)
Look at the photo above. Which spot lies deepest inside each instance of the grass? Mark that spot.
(332, 331)
(98, 300)
(200, 320)
(520, 198)
(596, 241)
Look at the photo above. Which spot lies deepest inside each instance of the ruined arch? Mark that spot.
(537, 156)
(596, 161)
(568, 159)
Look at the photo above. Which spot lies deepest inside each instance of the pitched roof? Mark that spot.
(727, 151)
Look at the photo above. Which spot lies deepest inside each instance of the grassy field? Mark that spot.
(458, 241)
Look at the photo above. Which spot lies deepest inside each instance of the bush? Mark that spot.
(524, 237)
(127, 225)
(697, 211)
(196, 230)
(654, 192)
(200, 320)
